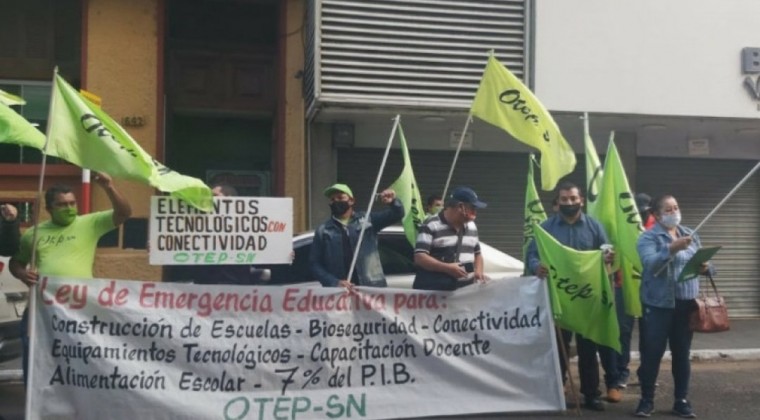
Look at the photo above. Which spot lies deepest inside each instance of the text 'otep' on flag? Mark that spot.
(504, 101)
(580, 292)
(81, 133)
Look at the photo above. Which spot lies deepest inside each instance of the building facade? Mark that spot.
(287, 97)
(211, 88)
(675, 80)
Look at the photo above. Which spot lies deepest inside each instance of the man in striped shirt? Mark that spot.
(447, 252)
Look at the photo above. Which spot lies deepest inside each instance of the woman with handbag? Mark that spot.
(666, 304)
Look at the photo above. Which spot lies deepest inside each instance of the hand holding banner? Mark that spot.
(582, 299)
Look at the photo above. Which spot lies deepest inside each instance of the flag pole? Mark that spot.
(566, 359)
(396, 122)
(714, 210)
(36, 217)
(32, 318)
(456, 156)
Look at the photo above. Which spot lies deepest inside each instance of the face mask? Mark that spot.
(64, 216)
(671, 220)
(435, 210)
(339, 208)
(569, 210)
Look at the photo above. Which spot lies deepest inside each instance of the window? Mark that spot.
(37, 97)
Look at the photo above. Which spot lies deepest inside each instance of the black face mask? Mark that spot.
(569, 210)
(338, 208)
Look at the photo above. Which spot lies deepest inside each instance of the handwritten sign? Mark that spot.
(126, 349)
(239, 230)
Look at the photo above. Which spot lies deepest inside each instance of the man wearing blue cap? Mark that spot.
(447, 252)
(336, 239)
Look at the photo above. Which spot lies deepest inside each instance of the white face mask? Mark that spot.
(671, 220)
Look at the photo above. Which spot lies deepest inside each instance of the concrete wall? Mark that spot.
(122, 57)
(674, 57)
(292, 110)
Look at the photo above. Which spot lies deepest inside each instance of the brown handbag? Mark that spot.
(710, 313)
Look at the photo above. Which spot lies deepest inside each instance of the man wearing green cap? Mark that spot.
(336, 239)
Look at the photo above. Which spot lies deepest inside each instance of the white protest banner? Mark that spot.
(239, 230)
(106, 349)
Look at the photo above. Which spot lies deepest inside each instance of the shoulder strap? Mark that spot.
(712, 283)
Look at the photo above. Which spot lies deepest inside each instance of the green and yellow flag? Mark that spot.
(580, 292)
(534, 211)
(593, 170)
(409, 194)
(504, 101)
(616, 211)
(17, 130)
(631, 286)
(81, 133)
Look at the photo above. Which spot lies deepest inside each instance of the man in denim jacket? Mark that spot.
(336, 239)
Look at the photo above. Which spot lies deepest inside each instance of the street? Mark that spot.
(725, 390)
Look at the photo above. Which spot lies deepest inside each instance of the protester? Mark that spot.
(9, 230)
(643, 204)
(433, 205)
(336, 239)
(574, 229)
(666, 304)
(226, 273)
(66, 244)
(447, 252)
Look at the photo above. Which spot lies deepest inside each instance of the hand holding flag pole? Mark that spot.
(396, 122)
(714, 210)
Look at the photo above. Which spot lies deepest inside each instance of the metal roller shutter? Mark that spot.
(699, 185)
(418, 53)
(498, 178)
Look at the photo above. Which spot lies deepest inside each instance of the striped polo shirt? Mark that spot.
(437, 238)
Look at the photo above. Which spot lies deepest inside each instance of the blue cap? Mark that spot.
(467, 195)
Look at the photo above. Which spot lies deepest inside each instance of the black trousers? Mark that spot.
(588, 365)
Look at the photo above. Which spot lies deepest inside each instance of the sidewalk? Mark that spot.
(741, 342)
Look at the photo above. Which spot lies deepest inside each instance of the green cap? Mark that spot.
(338, 188)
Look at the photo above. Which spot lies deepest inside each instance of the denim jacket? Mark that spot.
(326, 259)
(660, 290)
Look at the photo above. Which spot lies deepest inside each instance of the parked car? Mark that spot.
(13, 299)
(396, 257)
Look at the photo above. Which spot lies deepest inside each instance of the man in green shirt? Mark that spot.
(67, 242)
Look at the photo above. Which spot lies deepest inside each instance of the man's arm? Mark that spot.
(386, 217)
(121, 208)
(9, 230)
(532, 260)
(479, 274)
(427, 262)
(19, 271)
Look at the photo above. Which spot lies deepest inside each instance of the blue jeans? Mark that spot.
(660, 327)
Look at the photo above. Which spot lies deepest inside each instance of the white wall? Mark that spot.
(657, 57)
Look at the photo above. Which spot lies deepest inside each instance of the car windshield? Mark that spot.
(396, 257)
